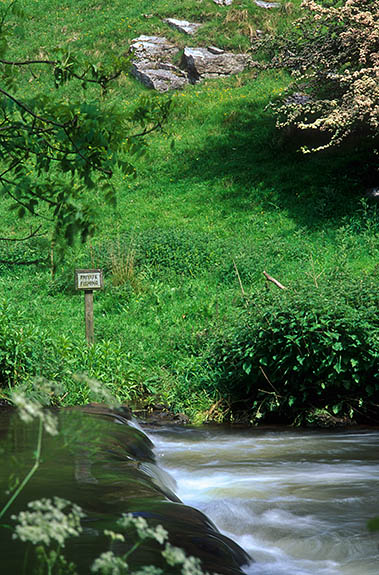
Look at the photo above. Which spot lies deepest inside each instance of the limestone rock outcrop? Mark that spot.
(212, 62)
(188, 28)
(267, 5)
(152, 64)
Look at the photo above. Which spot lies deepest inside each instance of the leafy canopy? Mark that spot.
(57, 148)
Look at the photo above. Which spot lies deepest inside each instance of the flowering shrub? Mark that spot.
(334, 59)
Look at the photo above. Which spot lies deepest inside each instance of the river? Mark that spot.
(297, 501)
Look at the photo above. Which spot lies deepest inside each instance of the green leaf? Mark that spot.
(247, 368)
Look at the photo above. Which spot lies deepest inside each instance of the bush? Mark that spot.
(300, 352)
(334, 61)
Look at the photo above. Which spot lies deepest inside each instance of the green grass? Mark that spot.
(231, 192)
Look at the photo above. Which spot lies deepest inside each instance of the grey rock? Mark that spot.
(155, 48)
(223, 2)
(215, 50)
(161, 78)
(189, 28)
(267, 5)
(298, 98)
(205, 63)
(152, 64)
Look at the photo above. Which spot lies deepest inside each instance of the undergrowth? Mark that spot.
(219, 198)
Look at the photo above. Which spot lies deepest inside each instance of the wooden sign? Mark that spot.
(89, 279)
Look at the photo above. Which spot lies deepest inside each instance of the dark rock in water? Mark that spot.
(212, 62)
(189, 28)
(161, 415)
(105, 464)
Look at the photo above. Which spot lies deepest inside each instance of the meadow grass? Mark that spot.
(219, 192)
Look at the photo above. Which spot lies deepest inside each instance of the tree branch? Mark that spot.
(29, 111)
(27, 62)
(31, 235)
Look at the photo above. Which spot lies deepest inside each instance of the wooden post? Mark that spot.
(88, 316)
(88, 281)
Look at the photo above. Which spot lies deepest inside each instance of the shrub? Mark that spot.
(298, 352)
(334, 61)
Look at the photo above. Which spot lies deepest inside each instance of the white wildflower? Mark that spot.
(176, 556)
(48, 521)
(30, 409)
(149, 570)
(114, 536)
(109, 564)
(143, 530)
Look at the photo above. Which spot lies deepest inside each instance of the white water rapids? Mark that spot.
(298, 502)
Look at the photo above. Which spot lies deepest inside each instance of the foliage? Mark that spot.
(48, 524)
(58, 148)
(28, 351)
(231, 190)
(333, 56)
(298, 352)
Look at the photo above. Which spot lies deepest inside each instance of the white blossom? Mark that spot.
(47, 521)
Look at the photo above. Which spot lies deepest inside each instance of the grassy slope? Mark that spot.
(229, 191)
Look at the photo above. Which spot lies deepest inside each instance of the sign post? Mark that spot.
(87, 281)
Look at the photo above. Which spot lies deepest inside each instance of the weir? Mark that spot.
(106, 465)
(296, 501)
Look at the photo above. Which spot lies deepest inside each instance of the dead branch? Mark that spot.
(273, 280)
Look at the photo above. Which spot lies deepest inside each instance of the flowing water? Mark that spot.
(298, 502)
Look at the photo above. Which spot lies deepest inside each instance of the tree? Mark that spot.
(56, 150)
(333, 56)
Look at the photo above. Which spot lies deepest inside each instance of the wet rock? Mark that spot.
(212, 62)
(223, 2)
(109, 469)
(152, 64)
(158, 415)
(189, 28)
(267, 5)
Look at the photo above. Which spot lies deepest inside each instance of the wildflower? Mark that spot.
(29, 409)
(176, 556)
(47, 521)
(143, 530)
(109, 564)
